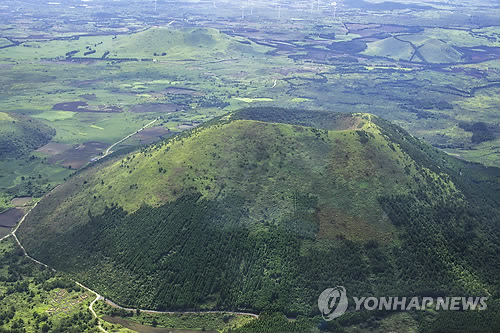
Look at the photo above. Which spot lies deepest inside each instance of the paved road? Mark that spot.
(91, 306)
(106, 153)
(111, 303)
(98, 297)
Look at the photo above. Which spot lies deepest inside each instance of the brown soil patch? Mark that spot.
(187, 126)
(10, 217)
(351, 123)
(150, 135)
(240, 75)
(336, 224)
(146, 329)
(79, 155)
(53, 148)
(85, 83)
(21, 201)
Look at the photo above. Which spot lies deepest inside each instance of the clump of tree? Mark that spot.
(480, 131)
(349, 47)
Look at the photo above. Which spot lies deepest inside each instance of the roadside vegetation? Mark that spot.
(34, 299)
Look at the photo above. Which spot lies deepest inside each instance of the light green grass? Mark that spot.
(300, 99)
(41, 176)
(390, 48)
(4, 42)
(456, 37)
(250, 100)
(437, 51)
(5, 117)
(55, 115)
(196, 43)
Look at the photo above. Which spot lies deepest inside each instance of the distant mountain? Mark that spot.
(20, 134)
(185, 43)
(410, 48)
(265, 208)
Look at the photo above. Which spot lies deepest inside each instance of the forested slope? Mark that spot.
(21, 134)
(263, 209)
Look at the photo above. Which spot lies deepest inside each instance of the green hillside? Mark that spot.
(154, 43)
(265, 208)
(400, 48)
(183, 43)
(437, 51)
(390, 48)
(19, 135)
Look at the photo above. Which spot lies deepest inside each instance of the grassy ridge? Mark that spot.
(391, 48)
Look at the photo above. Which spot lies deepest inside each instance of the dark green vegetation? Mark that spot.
(19, 135)
(263, 209)
(35, 299)
(480, 131)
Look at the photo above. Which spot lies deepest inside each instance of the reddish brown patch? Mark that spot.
(53, 148)
(336, 224)
(150, 135)
(79, 155)
(21, 201)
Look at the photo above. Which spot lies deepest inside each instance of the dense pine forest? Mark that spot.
(214, 234)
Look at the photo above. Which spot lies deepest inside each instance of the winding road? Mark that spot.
(236, 313)
(106, 153)
(97, 296)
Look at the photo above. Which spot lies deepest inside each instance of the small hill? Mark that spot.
(20, 135)
(183, 43)
(390, 48)
(431, 50)
(265, 208)
(437, 51)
